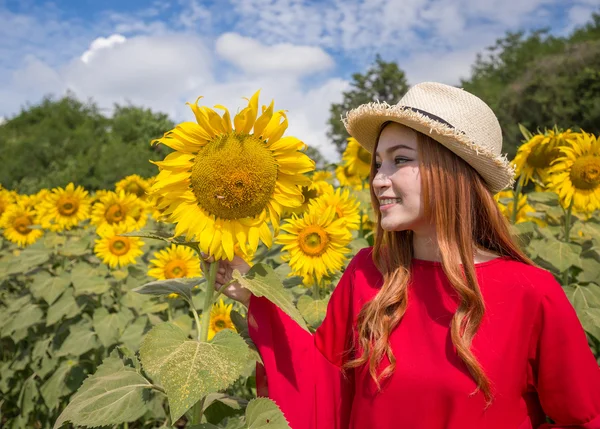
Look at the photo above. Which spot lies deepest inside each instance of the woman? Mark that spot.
(444, 322)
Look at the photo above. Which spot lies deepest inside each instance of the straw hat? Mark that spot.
(451, 116)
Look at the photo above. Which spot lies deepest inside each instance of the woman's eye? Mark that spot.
(400, 159)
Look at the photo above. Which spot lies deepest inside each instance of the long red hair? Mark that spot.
(465, 215)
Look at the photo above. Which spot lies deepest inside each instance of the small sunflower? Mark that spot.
(524, 210)
(534, 157)
(220, 318)
(223, 183)
(357, 159)
(133, 184)
(119, 209)
(316, 244)
(346, 206)
(175, 262)
(7, 198)
(65, 208)
(16, 221)
(115, 250)
(321, 175)
(309, 194)
(575, 176)
(350, 180)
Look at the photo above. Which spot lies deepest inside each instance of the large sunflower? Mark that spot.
(220, 318)
(315, 243)
(346, 206)
(223, 183)
(534, 157)
(16, 221)
(133, 184)
(65, 208)
(119, 209)
(114, 250)
(357, 159)
(175, 262)
(575, 176)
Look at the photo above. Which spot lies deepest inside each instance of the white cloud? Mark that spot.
(253, 57)
(102, 43)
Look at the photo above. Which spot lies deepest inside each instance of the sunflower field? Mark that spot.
(109, 314)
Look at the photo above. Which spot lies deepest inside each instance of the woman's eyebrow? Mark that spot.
(399, 146)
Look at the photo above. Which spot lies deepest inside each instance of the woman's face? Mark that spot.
(397, 182)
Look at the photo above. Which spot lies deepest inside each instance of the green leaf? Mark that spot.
(29, 258)
(524, 231)
(113, 395)
(110, 326)
(76, 246)
(357, 244)
(261, 280)
(28, 316)
(583, 297)
(88, 280)
(134, 333)
(28, 396)
(548, 198)
(180, 286)
(525, 132)
(65, 307)
(312, 310)
(48, 287)
(189, 370)
(55, 387)
(560, 255)
(264, 413)
(158, 235)
(81, 339)
(591, 271)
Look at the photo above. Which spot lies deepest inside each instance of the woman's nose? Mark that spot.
(381, 180)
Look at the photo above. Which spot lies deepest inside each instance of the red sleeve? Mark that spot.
(562, 367)
(298, 377)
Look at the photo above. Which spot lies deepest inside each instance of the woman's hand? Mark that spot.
(234, 291)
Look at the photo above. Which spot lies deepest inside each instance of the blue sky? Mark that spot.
(301, 53)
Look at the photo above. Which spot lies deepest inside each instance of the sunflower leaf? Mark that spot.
(113, 395)
(261, 280)
(264, 413)
(560, 255)
(313, 310)
(181, 286)
(158, 235)
(190, 370)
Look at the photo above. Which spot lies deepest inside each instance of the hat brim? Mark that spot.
(364, 124)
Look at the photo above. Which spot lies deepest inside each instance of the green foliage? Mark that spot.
(383, 81)
(61, 141)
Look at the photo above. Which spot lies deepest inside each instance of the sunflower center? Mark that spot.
(68, 206)
(541, 158)
(119, 246)
(115, 213)
(234, 176)
(175, 269)
(585, 172)
(363, 155)
(220, 324)
(313, 240)
(134, 188)
(21, 225)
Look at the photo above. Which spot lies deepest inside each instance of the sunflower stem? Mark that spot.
(316, 289)
(516, 200)
(208, 301)
(567, 238)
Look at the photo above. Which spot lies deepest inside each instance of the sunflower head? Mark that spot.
(346, 206)
(225, 181)
(116, 250)
(175, 262)
(65, 208)
(119, 209)
(16, 221)
(220, 318)
(357, 159)
(133, 184)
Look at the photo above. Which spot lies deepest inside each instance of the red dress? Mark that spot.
(531, 346)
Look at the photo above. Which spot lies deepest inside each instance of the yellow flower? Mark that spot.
(133, 184)
(16, 221)
(524, 210)
(124, 210)
(220, 318)
(309, 194)
(175, 262)
(357, 159)
(321, 175)
(354, 181)
(223, 183)
(316, 244)
(6, 199)
(65, 208)
(114, 250)
(534, 157)
(576, 174)
(346, 207)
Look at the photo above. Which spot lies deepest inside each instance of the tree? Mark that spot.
(383, 81)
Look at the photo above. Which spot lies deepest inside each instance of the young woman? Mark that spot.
(444, 323)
